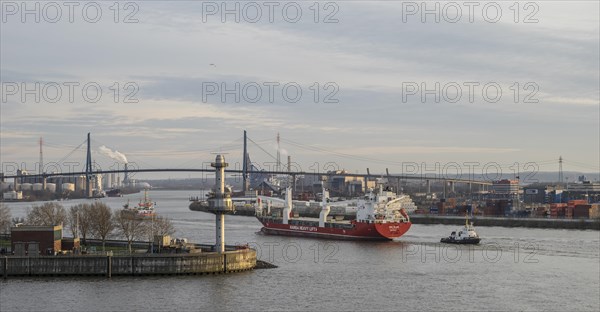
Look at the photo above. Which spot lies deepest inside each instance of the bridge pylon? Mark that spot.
(88, 168)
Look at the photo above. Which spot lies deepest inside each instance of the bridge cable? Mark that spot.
(71, 153)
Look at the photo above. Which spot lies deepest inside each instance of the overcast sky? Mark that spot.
(366, 61)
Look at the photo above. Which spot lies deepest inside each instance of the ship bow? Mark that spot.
(392, 230)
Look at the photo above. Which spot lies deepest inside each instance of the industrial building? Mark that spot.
(562, 193)
(32, 240)
(584, 190)
(58, 184)
(341, 185)
(505, 187)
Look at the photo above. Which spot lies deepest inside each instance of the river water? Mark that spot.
(512, 269)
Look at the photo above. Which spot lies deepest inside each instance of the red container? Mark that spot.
(569, 213)
(575, 202)
(581, 211)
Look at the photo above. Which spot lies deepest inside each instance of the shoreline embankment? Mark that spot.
(544, 223)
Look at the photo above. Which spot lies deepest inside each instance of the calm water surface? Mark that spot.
(513, 269)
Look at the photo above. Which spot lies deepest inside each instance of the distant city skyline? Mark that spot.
(167, 76)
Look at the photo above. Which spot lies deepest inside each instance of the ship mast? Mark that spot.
(324, 206)
(278, 167)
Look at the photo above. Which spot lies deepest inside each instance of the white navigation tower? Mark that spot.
(220, 203)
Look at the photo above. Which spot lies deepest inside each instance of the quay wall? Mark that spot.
(578, 224)
(149, 264)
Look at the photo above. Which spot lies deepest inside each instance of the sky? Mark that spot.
(347, 84)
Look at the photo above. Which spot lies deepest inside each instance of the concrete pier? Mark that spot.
(220, 232)
(133, 265)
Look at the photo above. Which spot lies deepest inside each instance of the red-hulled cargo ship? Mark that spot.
(376, 219)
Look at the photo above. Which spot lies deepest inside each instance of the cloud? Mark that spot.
(590, 101)
(423, 150)
(11, 134)
(368, 54)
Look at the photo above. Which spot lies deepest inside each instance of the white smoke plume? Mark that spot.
(116, 155)
(282, 150)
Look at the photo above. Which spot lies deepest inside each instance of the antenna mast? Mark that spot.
(278, 168)
(41, 169)
(560, 170)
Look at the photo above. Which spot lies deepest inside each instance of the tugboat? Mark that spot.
(466, 235)
(143, 210)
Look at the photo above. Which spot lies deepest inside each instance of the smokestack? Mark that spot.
(126, 176)
(41, 169)
(278, 167)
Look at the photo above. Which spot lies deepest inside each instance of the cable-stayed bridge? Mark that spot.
(248, 168)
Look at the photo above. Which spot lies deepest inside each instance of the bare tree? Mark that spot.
(5, 219)
(130, 227)
(85, 222)
(162, 226)
(17, 220)
(101, 221)
(80, 215)
(73, 218)
(46, 214)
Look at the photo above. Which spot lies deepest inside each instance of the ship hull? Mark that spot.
(140, 216)
(351, 231)
(114, 193)
(466, 241)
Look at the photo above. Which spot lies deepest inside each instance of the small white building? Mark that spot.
(584, 187)
(13, 195)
